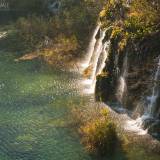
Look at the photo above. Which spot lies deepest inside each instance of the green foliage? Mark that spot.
(39, 30)
(139, 19)
(112, 12)
(62, 50)
(142, 19)
(116, 31)
(32, 31)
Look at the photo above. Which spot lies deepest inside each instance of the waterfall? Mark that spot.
(96, 54)
(96, 57)
(103, 57)
(122, 86)
(147, 119)
(91, 47)
(155, 92)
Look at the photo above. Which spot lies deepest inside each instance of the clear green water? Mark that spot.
(34, 105)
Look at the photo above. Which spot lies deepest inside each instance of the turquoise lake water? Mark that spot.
(34, 105)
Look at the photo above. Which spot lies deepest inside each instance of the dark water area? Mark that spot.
(9, 16)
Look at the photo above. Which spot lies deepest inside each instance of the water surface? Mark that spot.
(35, 105)
(34, 108)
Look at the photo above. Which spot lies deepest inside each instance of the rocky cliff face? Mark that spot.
(131, 76)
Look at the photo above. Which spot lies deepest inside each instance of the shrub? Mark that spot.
(33, 30)
(99, 136)
(142, 18)
(113, 11)
(61, 50)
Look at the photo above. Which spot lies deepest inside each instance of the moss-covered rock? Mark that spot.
(135, 34)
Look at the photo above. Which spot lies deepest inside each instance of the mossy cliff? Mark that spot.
(135, 37)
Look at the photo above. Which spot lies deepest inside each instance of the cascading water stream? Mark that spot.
(103, 58)
(95, 62)
(155, 92)
(91, 47)
(122, 86)
(149, 113)
(98, 49)
(130, 124)
(101, 61)
(97, 55)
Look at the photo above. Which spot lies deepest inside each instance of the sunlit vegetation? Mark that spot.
(38, 96)
(137, 19)
(87, 72)
(37, 29)
(61, 36)
(143, 18)
(99, 136)
(98, 132)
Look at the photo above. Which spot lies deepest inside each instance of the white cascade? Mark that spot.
(90, 49)
(155, 92)
(150, 111)
(103, 58)
(97, 55)
(122, 86)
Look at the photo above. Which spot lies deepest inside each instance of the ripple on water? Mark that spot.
(34, 107)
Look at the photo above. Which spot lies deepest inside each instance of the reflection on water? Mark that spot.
(34, 104)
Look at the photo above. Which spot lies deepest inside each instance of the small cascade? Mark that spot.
(91, 47)
(149, 116)
(155, 92)
(103, 57)
(96, 57)
(122, 86)
(96, 54)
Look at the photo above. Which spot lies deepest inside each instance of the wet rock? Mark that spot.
(154, 129)
(139, 78)
(148, 122)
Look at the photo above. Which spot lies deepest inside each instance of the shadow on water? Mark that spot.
(118, 153)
